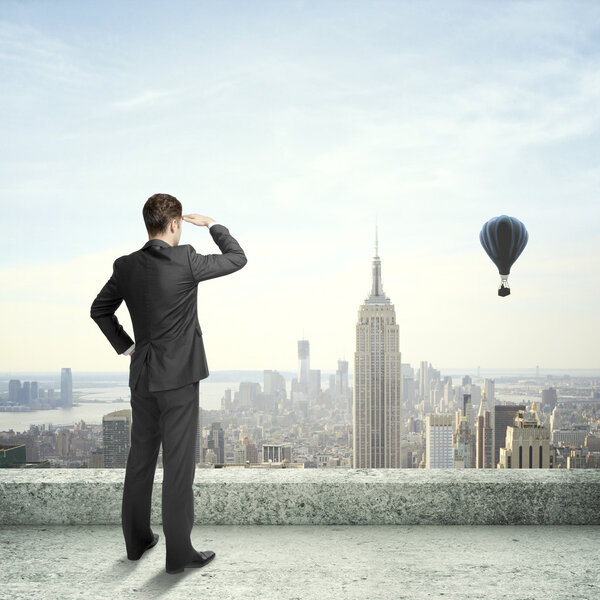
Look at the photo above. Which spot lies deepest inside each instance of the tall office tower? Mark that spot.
(341, 378)
(116, 435)
(485, 440)
(448, 393)
(438, 440)
(527, 443)
(226, 401)
(554, 418)
(409, 391)
(26, 392)
(303, 364)
(66, 387)
(464, 445)
(407, 370)
(549, 397)
(216, 442)
(239, 455)
(409, 385)
(274, 382)
(34, 390)
(489, 387)
(276, 453)
(199, 450)
(14, 391)
(424, 381)
(475, 391)
(504, 415)
(466, 402)
(331, 387)
(467, 411)
(435, 397)
(376, 415)
(314, 382)
(248, 393)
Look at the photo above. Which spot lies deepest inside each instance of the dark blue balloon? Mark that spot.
(503, 238)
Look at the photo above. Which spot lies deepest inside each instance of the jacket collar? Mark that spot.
(156, 242)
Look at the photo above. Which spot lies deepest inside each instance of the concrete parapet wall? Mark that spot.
(234, 496)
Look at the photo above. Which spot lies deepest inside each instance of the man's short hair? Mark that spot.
(159, 211)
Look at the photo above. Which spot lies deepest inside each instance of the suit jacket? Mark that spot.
(159, 284)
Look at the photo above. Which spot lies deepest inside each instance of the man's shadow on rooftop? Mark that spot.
(157, 585)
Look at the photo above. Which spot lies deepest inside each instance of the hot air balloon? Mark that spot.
(503, 238)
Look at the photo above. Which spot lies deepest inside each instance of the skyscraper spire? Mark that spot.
(377, 411)
(377, 294)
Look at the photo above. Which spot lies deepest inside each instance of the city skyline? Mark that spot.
(298, 127)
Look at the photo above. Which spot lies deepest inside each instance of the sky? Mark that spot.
(300, 126)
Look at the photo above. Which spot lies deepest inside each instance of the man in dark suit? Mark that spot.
(159, 283)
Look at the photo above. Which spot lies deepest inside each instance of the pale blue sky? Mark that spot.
(296, 124)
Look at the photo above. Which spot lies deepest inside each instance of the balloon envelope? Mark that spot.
(503, 238)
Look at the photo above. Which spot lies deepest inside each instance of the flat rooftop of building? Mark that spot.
(280, 562)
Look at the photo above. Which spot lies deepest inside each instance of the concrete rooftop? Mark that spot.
(280, 562)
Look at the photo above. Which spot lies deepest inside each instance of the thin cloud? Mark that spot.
(147, 99)
(31, 52)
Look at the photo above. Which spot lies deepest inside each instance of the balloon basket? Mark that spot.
(503, 291)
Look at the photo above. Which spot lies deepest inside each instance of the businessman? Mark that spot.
(159, 283)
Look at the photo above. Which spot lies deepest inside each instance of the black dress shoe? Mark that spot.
(150, 545)
(201, 559)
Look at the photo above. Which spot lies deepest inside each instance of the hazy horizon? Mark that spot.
(298, 126)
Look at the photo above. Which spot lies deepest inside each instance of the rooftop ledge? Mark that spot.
(317, 496)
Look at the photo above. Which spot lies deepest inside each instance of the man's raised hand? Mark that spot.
(199, 220)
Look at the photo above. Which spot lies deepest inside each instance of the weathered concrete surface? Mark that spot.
(308, 562)
(318, 496)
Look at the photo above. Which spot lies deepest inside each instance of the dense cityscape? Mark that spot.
(393, 416)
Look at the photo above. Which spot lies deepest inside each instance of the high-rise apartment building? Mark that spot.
(14, 391)
(26, 391)
(376, 415)
(438, 441)
(216, 442)
(116, 434)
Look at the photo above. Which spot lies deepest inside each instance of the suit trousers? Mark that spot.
(170, 417)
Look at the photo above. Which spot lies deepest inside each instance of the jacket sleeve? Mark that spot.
(209, 266)
(103, 312)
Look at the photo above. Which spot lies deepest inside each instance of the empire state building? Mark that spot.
(376, 416)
